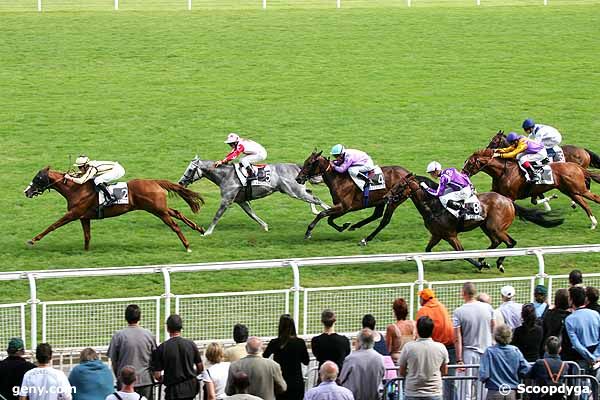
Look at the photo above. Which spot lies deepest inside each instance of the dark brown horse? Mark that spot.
(507, 179)
(345, 194)
(144, 194)
(499, 212)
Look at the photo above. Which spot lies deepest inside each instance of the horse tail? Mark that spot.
(594, 159)
(593, 175)
(193, 199)
(537, 217)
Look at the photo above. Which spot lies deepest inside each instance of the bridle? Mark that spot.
(39, 189)
(400, 189)
(192, 174)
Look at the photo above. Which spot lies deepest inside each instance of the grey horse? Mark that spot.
(283, 179)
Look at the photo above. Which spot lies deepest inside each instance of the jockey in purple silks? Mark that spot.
(357, 163)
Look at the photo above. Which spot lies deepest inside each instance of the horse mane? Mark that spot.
(484, 152)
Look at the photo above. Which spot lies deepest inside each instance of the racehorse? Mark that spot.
(144, 194)
(507, 179)
(499, 213)
(232, 191)
(346, 195)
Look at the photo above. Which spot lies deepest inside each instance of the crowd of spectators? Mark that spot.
(500, 348)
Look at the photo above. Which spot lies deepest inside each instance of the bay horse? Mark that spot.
(507, 179)
(144, 194)
(499, 212)
(345, 194)
(232, 191)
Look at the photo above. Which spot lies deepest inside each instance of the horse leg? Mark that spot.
(85, 224)
(456, 245)
(307, 196)
(544, 200)
(68, 217)
(177, 214)
(387, 217)
(331, 222)
(596, 199)
(433, 241)
(335, 210)
(377, 213)
(166, 218)
(246, 207)
(222, 208)
(579, 199)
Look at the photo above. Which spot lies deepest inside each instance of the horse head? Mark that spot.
(401, 191)
(313, 166)
(192, 173)
(39, 184)
(498, 141)
(477, 161)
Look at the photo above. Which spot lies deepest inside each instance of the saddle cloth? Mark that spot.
(544, 172)
(377, 181)
(262, 171)
(473, 208)
(119, 190)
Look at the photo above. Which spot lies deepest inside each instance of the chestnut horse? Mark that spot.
(499, 212)
(507, 179)
(345, 194)
(144, 194)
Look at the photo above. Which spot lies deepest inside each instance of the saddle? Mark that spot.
(376, 180)
(262, 172)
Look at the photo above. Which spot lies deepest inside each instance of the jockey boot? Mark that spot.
(251, 176)
(455, 205)
(363, 176)
(109, 199)
(533, 177)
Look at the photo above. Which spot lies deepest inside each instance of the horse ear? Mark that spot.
(501, 132)
(196, 157)
(319, 153)
(47, 168)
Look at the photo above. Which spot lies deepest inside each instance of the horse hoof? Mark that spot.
(363, 242)
(554, 196)
(30, 243)
(188, 250)
(345, 226)
(207, 233)
(574, 205)
(352, 228)
(307, 236)
(201, 230)
(485, 265)
(501, 268)
(266, 228)
(593, 227)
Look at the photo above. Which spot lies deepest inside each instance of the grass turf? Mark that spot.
(151, 89)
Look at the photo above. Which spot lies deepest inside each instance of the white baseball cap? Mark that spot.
(508, 291)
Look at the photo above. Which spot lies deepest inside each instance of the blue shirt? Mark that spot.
(328, 391)
(540, 308)
(583, 328)
(92, 380)
(502, 365)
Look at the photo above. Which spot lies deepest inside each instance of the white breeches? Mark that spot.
(251, 159)
(460, 195)
(532, 158)
(364, 168)
(551, 140)
(110, 175)
(555, 153)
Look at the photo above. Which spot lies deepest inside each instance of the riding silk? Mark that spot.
(524, 145)
(551, 138)
(457, 187)
(101, 172)
(354, 161)
(262, 173)
(254, 152)
(451, 178)
(119, 190)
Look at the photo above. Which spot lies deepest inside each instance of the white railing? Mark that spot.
(277, 300)
(12, 321)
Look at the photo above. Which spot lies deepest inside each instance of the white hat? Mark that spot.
(232, 138)
(81, 160)
(433, 166)
(508, 291)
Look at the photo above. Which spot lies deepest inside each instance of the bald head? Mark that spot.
(328, 371)
(253, 345)
(484, 298)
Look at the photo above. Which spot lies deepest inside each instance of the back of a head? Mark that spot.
(400, 309)
(528, 315)
(88, 354)
(174, 323)
(552, 345)
(365, 339)
(133, 314)
(240, 333)
(577, 295)
(253, 345)
(469, 289)
(561, 299)
(503, 334)
(592, 294)
(328, 371)
(240, 381)
(425, 327)
(43, 353)
(484, 298)
(127, 375)
(287, 328)
(214, 353)
(575, 277)
(368, 321)
(328, 318)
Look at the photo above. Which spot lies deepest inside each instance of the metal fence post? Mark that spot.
(420, 281)
(541, 275)
(167, 295)
(296, 290)
(33, 300)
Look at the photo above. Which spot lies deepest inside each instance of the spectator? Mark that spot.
(240, 336)
(528, 337)
(264, 374)
(511, 311)
(549, 370)
(583, 328)
(540, 295)
(12, 368)
(591, 294)
(329, 346)
(575, 278)
(328, 389)
(553, 324)
(133, 346)
(215, 374)
(240, 384)
(363, 369)
(502, 365)
(91, 379)
(181, 362)
(423, 363)
(400, 332)
(473, 326)
(128, 378)
(49, 383)
(379, 346)
(289, 351)
(485, 298)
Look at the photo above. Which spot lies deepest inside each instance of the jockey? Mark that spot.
(525, 151)
(454, 187)
(357, 163)
(102, 172)
(253, 152)
(548, 136)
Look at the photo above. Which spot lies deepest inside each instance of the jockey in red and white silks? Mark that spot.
(253, 152)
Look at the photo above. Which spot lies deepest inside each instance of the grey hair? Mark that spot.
(502, 334)
(365, 339)
(253, 345)
(88, 354)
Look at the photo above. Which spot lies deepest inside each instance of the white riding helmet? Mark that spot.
(232, 138)
(433, 166)
(81, 161)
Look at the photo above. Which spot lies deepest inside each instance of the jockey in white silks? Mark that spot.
(454, 189)
(102, 172)
(525, 151)
(253, 153)
(357, 163)
(548, 136)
